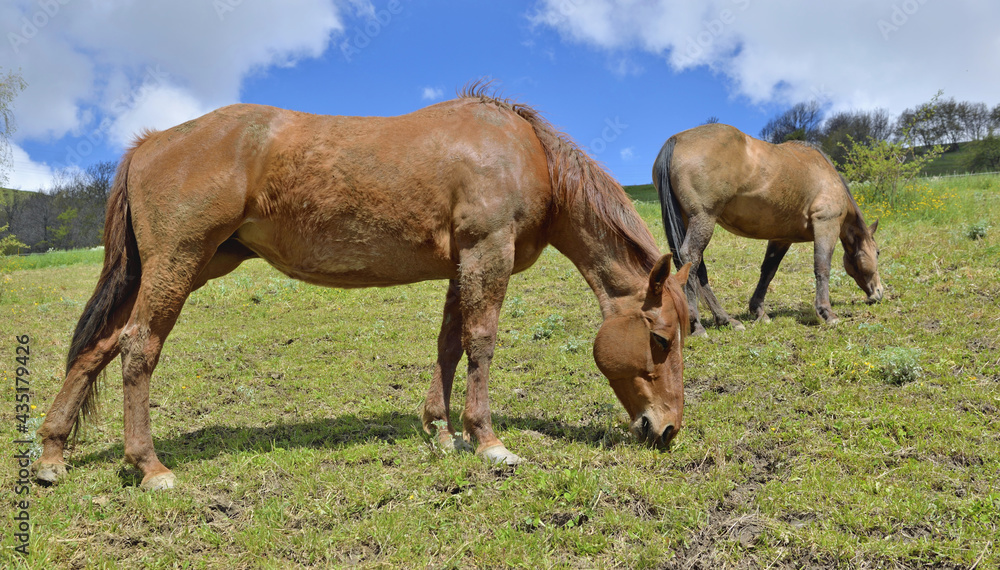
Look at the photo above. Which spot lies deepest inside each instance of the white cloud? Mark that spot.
(156, 106)
(87, 63)
(432, 93)
(627, 153)
(852, 53)
(25, 174)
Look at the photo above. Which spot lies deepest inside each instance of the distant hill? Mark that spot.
(25, 193)
(955, 160)
(642, 192)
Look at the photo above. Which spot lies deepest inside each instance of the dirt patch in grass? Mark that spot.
(735, 524)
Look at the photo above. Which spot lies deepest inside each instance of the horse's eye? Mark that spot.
(660, 340)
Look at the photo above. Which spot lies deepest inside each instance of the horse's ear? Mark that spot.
(873, 227)
(682, 274)
(658, 276)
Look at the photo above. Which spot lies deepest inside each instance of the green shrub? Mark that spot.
(547, 328)
(899, 365)
(574, 345)
(886, 167)
(977, 230)
(8, 244)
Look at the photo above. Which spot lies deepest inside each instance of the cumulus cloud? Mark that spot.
(26, 174)
(103, 70)
(851, 54)
(432, 93)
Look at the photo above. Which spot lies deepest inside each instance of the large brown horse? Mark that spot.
(469, 190)
(787, 193)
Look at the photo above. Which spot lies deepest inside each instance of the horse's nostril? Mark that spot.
(667, 434)
(646, 426)
(667, 437)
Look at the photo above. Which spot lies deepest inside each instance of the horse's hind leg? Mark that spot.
(81, 378)
(437, 406)
(721, 316)
(166, 283)
(776, 251)
(83, 371)
(699, 232)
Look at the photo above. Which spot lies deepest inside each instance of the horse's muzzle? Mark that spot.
(645, 432)
(875, 296)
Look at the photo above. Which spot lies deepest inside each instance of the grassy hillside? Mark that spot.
(290, 415)
(955, 161)
(643, 193)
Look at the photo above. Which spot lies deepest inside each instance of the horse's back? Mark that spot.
(349, 201)
(751, 187)
(709, 166)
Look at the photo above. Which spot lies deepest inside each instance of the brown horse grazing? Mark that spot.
(469, 190)
(787, 193)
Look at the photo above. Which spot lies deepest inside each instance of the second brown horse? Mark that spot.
(787, 193)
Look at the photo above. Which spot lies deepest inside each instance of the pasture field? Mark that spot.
(290, 415)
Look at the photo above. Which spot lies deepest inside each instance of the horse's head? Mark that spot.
(861, 261)
(640, 354)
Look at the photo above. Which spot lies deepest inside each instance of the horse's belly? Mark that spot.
(348, 259)
(761, 219)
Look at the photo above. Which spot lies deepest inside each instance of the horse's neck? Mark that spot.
(852, 231)
(605, 263)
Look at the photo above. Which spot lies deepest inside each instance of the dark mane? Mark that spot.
(578, 178)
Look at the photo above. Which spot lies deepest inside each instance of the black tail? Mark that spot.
(119, 279)
(670, 208)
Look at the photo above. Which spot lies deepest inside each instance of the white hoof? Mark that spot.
(159, 482)
(49, 473)
(498, 455)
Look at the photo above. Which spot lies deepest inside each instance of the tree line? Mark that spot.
(936, 122)
(69, 216)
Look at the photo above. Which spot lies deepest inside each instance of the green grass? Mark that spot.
(57, 259)
(290, 415)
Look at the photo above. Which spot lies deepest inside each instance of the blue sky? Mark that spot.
(619, 76)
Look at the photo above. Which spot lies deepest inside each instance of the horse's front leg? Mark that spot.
(484, 274)
(437, 406)
(822, 256)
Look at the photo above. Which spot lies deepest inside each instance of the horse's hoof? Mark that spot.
(498, 455)
(737, 326)
(764, 319)
(48, 473)
(700, 332)
(159, 482)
